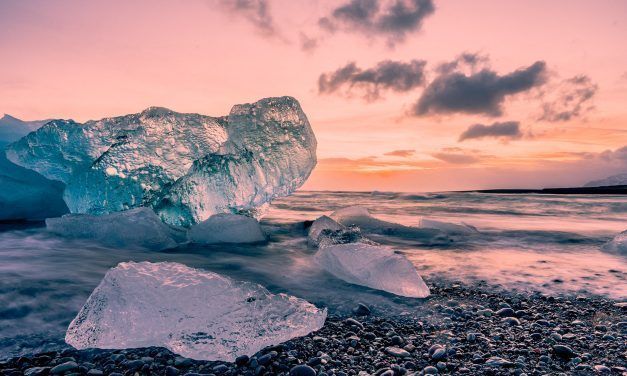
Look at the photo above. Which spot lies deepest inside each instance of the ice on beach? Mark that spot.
(135, 228)
(319, 226)
(26, 195)
(617, 245)
(377, 267)
(187, 167)
(361, 217)
(195, 313)
(451, 228)
(226, 228)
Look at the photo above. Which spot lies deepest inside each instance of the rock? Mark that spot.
(430, 370)
(439, 353)
(397, 352)
(512, 321)
(496, 361)
(302, 370)
(563, 351)
(226, 228)
(64, 367)
(37, 371)
(171, 371)
(602, 369)
(97, 372)
(185, 166)
(242, 360)
(361, 310)
(198, 314)
(506, 312)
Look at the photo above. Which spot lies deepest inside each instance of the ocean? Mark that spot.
(549, 244)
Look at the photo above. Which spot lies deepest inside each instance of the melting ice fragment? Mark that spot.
(451, 228)
(195, 313)
(226, 228)
(187, 167)
(373, 266)
(135, 228)
(617, 245)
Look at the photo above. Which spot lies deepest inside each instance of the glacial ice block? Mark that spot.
(373, 266)
(318, 226)
(195, 313)
(226, 228)
(135, 228)
(187, 167)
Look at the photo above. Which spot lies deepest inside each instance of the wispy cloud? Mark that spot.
(393, 20)
(504, 130)
(386, 75)
(570, 99)
(401, 153)
(257, 12)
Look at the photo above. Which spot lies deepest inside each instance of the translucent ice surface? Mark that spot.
(617, 245)
(377, 267)
(319, 226)
(187, 167)
(195, 313)
(135, 228)
(452, 228)
(226, 228)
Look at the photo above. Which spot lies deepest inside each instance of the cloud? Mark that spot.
(390, 19)
(569, 100)
(482, 92)
(307, 43)
(507, 130)
(386, 75)
(618, 155)
(456, 158)
(401, 153)
(256, 12)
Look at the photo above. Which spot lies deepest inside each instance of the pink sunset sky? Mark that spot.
(404, 95)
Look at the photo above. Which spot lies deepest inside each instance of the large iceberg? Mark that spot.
(195, 313)
(226, 228)
(134, 228)
(187, 167)
(373, 266)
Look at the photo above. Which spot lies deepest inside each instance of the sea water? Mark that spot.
(537, 243)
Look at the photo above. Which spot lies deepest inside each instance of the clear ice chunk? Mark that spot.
(134, 228)
(226, 228)
(377, 267)
(195, 313)
(618, 245)
(187, 167)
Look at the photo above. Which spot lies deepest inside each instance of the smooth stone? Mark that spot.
(496, 361)
(242, 360)
(563, 351)
(95, 372)
(397, 352)
(171, 371)
(506, 312)
(430, 370)
(302, 370)
(64, 367)
(37, 371)
(361, 310)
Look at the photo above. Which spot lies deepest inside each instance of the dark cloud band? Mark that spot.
(507, 129)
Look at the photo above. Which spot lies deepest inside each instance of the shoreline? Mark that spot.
(457, 330)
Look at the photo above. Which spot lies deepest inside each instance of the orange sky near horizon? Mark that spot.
(88, 60)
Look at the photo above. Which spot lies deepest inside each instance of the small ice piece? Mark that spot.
(451, 228)
(373, 266)
(226, 228)
(135, 228)
(617, 245)
(195, 313)
(318, 226)
(361, 217)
